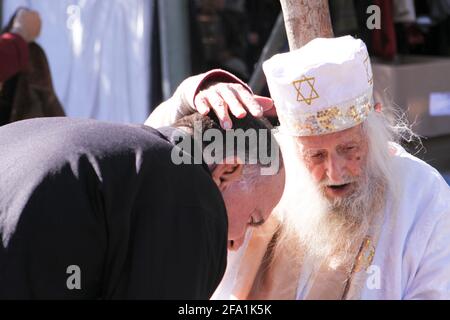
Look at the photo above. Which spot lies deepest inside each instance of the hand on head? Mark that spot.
(223, 98)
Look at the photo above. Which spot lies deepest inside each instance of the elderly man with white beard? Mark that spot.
(360, 218)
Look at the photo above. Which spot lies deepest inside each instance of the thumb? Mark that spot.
(267, 105)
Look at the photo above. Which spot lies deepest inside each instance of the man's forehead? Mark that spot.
(333, 139)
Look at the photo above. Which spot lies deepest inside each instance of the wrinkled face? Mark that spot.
(250, 204)
(336, 161)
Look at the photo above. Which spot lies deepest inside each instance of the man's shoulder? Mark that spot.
(423, 189)
(67, 133)
(417, 232)
(38, 147)
(409, 168)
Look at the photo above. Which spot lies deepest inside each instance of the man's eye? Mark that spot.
(317, 156)
(254, 222)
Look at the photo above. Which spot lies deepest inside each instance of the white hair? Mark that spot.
(305, 211)
(382, 129)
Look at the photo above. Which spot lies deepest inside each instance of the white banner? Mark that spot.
(99, 54)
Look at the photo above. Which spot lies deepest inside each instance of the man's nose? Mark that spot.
(335, 168)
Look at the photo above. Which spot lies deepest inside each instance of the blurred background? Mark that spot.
(116, 60)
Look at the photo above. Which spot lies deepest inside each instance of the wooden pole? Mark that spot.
(306, 20)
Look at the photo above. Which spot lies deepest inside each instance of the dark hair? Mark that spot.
(252, 129)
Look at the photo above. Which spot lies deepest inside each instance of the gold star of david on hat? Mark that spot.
(306, 84)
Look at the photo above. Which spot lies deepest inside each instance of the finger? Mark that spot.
(249, 101)
(236, 107)
(265, 102)
(220, 109)
(267, 105)
(201, 104)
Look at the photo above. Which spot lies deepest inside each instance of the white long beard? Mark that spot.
(329, 231)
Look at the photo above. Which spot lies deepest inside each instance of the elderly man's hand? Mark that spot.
(219, 97)
(27, 24)
(223, 98)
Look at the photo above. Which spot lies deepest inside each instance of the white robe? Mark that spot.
(412, 257)
(413, 252)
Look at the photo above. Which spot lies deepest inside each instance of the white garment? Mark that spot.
(229, 279)
(412, 258)
(413, 252)
(99, 55)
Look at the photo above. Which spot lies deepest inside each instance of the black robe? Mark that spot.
(107, 199)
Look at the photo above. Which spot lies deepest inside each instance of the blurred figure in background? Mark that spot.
(27, 91)
(25, 27)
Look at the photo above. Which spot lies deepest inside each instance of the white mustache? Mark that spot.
(345, 180)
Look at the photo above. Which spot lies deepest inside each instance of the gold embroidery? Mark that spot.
(338, 117)
(313, 93)
(353, 114)
(327, 117)
(326, 121)
(365, 256)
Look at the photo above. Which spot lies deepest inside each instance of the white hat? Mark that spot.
(324, 87)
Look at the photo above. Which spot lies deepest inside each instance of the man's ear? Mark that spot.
(378, 107)
(226, 173)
